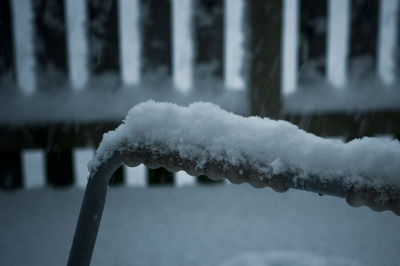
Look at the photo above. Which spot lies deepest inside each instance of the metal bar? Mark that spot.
(91, 211)
(378, 199)
(384, 198)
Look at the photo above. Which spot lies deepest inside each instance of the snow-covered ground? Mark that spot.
(212, 225)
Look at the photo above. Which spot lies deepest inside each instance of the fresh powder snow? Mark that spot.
(203, 132)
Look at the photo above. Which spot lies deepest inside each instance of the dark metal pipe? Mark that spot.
(384, 198)
(91, 212)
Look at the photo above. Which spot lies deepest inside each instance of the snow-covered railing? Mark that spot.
(204, 139)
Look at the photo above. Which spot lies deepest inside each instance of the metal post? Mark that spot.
(385, 198)
(91, 211)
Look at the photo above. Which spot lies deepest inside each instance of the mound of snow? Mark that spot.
(204, 132)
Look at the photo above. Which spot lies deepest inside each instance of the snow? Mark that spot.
(203, 132)
(209, 225)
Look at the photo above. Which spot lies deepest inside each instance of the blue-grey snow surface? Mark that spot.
(221, 225)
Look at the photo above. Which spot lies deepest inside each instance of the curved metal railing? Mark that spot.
(384, 198)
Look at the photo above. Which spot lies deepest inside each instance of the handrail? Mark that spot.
(384, 198)
(91, 211)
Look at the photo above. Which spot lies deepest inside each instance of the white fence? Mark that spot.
(130, 43)
(34, 170)
(338, 42)
(338, 29)
(182, 51)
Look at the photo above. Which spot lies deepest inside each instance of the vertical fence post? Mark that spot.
(129, 41)
(234, 44)
(387, 40)
(184, 179)
(338, 41)
(290, 41)
(135, 176)
(77, 42)
(182, 44)
(24, 49)
(33, 167)
(81, 156)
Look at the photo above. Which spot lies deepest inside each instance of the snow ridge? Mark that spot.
(203, 132)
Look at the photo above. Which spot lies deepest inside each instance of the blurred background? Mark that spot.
(71, 69)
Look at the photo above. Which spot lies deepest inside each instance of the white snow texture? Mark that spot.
(203, 132)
